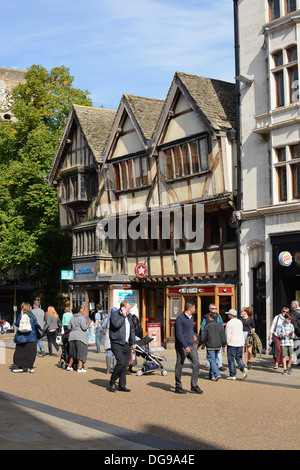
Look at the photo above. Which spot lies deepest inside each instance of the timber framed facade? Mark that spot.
(154, 159)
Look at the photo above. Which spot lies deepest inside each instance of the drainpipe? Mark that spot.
(238, 153)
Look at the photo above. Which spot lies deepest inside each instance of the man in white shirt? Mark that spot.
(235, 343)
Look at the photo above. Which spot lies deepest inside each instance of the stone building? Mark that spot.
(267, 45)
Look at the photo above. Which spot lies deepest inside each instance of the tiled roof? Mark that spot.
(96, 124)
(215, 98)
(146, 112)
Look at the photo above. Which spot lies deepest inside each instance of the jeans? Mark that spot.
(40, 344)
(235, 354)
(99, 338)
(194, 360)
(219, 358)
(122, 355)
(212, 355)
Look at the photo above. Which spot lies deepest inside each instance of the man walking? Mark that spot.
(184, 345)
(212, 309)
(122, 337)
(235, 343)
(40, 318)
(99, 317)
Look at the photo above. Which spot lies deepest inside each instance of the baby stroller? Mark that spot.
(152, 361)
(64, 344)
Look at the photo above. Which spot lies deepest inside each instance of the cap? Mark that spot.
(232, 312)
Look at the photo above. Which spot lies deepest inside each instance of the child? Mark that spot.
(286, 333)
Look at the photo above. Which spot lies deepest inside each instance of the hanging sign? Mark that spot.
(141, 270)
(285, 259)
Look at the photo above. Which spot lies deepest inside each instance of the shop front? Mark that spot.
(176, 296)
(286, 269)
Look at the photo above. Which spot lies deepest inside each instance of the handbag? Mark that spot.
(39, 331)
(133, 359)
(25, 325)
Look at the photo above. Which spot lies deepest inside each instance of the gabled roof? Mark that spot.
(215, 98)
(96, 124)
(143, 113)
(212, 100)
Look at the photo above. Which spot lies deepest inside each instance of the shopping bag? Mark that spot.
(25, 325)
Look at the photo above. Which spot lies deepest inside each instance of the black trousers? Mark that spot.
(51, 337)
(122, 355)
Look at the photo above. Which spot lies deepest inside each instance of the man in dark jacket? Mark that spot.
(184, 345)
(122, 337)
(213, 337)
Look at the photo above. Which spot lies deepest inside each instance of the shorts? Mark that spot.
(245, 333)
(287, 350)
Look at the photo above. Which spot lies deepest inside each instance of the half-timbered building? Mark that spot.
(157, 226)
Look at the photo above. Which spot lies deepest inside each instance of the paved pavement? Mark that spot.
(53, 409)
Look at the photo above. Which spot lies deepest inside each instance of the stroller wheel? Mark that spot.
(164, 372)
(139, 372)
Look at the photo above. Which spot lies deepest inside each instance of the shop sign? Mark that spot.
(285, 258)
(154, 331)
(67, 275)
(141, 270)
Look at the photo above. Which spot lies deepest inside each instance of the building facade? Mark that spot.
(159, 226)
(267, 58)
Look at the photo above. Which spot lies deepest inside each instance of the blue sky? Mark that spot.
(120, 46)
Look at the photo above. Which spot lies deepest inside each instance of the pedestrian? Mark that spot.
(122, 337)
(5, 326)
(39, 314)
(274, 336)
(68, 314)
(295, 311)
(212, 308)
(138, 331)
(213, 338)
(78, 339)
(99, 333)
(110, 358)
(51, 327)
(286, 332)
(184, 345)
(26, 342)
(248, 329)
(235, 343)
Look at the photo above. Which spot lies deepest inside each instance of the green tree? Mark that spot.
(31, 242)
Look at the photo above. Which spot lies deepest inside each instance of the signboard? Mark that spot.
(285, 258)
(67, 275)
(141, 270)
(154, 331)
(131, 295)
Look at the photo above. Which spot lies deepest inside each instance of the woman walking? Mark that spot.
(78, 339)
(26, 342)
(52, 325)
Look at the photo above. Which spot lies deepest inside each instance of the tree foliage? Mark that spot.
(30, 239)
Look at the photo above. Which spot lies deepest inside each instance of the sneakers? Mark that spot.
(180, 390)
(244, 373)
(231, 378)
(289, 370)
(31, 371)
(285, 372)
(70, 368)
(18, 369)
(81, 370)
(196, 390)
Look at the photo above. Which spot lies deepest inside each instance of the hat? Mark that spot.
(232, 312)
